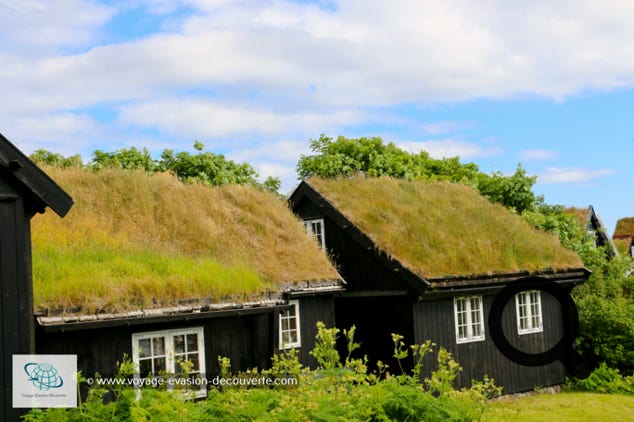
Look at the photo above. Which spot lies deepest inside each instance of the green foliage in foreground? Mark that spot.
(337, 390)
(605, 380)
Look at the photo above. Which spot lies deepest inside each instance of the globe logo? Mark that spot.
(43, 375)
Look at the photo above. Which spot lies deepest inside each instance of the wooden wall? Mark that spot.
(434, 320)
(357, 265)
(312, 310)
(248, 340)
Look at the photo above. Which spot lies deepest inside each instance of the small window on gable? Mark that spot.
(528, 307)
(315, 229)
(166, 353)
(469, 319)
(290, 335)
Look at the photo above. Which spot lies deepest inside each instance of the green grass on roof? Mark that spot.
(134, 240)
(624, 228)
(438, 229)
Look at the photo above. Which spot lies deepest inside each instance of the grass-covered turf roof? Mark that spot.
(438, 229)
(624, 228)
(136, 240)
(581, 214)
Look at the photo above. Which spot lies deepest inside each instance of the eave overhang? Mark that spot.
(491, 284)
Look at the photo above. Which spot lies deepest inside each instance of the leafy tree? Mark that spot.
(212, 169)
(42, 156)
(516, 191)
(373, 158)
(203, 167)
(128, 159)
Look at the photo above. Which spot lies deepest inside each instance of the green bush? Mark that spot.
(605, 380)
(340, 389)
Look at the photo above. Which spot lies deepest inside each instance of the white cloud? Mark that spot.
(447, 148)
(538, 154)
(571, 175)
(446, 126)
(209, 119)
(274, 67)
(358, 55)
(30, 27)
(285, 151)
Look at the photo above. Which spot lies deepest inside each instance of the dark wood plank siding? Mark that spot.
(357, 265)
(246, 340)
(434, 320)
(312, 310)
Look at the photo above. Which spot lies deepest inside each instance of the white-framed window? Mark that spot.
(160, 354)
(290, 335)
(469, 319)
(528, 307)
(315, 229)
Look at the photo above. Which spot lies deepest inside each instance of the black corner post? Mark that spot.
(25, 190)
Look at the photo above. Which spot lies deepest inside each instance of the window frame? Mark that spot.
(530, 306)
(170, 352)
(284, 315)
(319, 238)
(469, 323)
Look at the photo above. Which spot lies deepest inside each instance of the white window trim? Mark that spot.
(309, 230)
(298, 343)
(529, 312)
(169, 351)
(470, 337)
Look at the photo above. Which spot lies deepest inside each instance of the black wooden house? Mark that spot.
(592, 223)
(425, 260)
(25, 190)
(157, 333)
(623, 235)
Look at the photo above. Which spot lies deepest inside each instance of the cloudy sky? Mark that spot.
(545, 83)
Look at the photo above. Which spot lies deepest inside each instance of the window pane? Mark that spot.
(286, 338)
(159, 366)
(285, 326)
(179, 344)
(193, 357)
(145, 348)
(145, 367)
(293, 324)
(462, 331)
(158, 344)
(460, 305)
(192, 342)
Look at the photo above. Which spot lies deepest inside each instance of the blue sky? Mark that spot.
(548, 84)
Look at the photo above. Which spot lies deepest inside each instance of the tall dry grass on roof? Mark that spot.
(624, 228)
(438, 229)
(581, 214)
(134, 239)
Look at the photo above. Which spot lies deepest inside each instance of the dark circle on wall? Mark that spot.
(562, 351)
